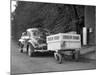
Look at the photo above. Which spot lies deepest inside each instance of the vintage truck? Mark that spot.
(33, 40)
(61, 44)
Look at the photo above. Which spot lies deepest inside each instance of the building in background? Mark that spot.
(90, 24)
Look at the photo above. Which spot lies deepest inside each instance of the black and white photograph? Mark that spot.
(52, 37)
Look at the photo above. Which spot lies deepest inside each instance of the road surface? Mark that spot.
(22, 63)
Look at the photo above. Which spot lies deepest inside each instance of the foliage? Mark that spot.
(56, 18)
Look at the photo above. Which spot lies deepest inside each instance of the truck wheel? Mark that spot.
(21, 50)
(73, 54)
(76, 55)
(20, 47)
(30, 50)
(58, 57)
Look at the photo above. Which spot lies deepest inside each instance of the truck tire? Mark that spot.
(58, 57)
(76, 55)
(73, 54)
(20, 50)
(30, 50)
(20, 47)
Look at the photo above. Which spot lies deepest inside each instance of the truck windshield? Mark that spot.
(36, 33)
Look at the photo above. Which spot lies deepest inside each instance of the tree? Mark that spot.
(56, 18)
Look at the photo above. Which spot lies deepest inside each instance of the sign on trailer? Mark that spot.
(63, 41)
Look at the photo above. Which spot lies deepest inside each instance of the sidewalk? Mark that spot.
(89, 52)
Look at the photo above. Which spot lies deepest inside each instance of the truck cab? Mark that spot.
(33, 40)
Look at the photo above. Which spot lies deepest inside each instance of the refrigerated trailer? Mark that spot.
(64, 44)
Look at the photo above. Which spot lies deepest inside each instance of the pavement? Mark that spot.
(21, 63)
(89, 52)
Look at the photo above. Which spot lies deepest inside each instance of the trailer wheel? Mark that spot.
(58, 57)
(30, 50)
(76, 55)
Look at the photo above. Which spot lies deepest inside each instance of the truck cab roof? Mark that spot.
(32, 29)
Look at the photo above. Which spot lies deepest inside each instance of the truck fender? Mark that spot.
(30, 42)
(21, 41)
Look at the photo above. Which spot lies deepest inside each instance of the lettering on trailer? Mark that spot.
(67, 37)
(76, 37)
(50, 38)
(71, 37)
(64, 37)
(53, 38)
(56, 37)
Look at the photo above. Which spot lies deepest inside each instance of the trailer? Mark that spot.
(64, 44)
